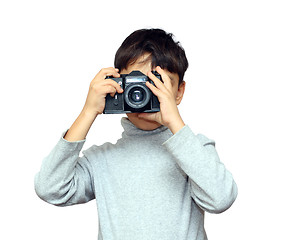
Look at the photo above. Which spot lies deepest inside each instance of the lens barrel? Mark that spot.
(137, 96)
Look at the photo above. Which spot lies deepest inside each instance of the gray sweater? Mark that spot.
(150, 185)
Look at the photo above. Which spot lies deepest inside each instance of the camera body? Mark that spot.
(136, 97)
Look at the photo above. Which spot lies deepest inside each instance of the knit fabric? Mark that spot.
(150, 185)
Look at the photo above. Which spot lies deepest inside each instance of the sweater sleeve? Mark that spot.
(65, 178)
(212, 185)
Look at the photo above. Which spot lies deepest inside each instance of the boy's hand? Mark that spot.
(95, 103)
(169, 114)
(99, 88)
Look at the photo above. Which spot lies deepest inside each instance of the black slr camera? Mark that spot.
(136, 97)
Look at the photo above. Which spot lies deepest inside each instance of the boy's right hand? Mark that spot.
(95, 103)
(99, 88)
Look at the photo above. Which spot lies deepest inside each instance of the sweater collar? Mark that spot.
(131, 130)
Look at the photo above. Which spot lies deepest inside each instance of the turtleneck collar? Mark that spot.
(131, 130)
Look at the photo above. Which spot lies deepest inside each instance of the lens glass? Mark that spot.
(136, 95)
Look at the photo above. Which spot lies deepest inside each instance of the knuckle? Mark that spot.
(110, 89)
(103, 70)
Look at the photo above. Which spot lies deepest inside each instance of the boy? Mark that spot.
(159, 178)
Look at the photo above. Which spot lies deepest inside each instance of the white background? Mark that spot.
(51, 50)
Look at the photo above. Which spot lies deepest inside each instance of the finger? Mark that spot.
(156, 80)
(111, 90)
(153, 89)
(166, 79)
(114, 84)
(109, 72)
(112, 94)
(112, 73)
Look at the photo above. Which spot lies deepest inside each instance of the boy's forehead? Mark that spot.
(144, 59)
(144, 64)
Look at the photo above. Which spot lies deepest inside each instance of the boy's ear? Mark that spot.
(180, 93)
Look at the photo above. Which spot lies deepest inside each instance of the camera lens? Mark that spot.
(137, 95)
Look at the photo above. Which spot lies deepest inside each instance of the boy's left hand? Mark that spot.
(169, 114)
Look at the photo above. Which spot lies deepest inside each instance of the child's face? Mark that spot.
(143, 64)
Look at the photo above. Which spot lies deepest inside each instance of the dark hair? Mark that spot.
(164, 51)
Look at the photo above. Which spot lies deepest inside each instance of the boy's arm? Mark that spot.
(212, 185)
(95, 103)
(64, 178)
